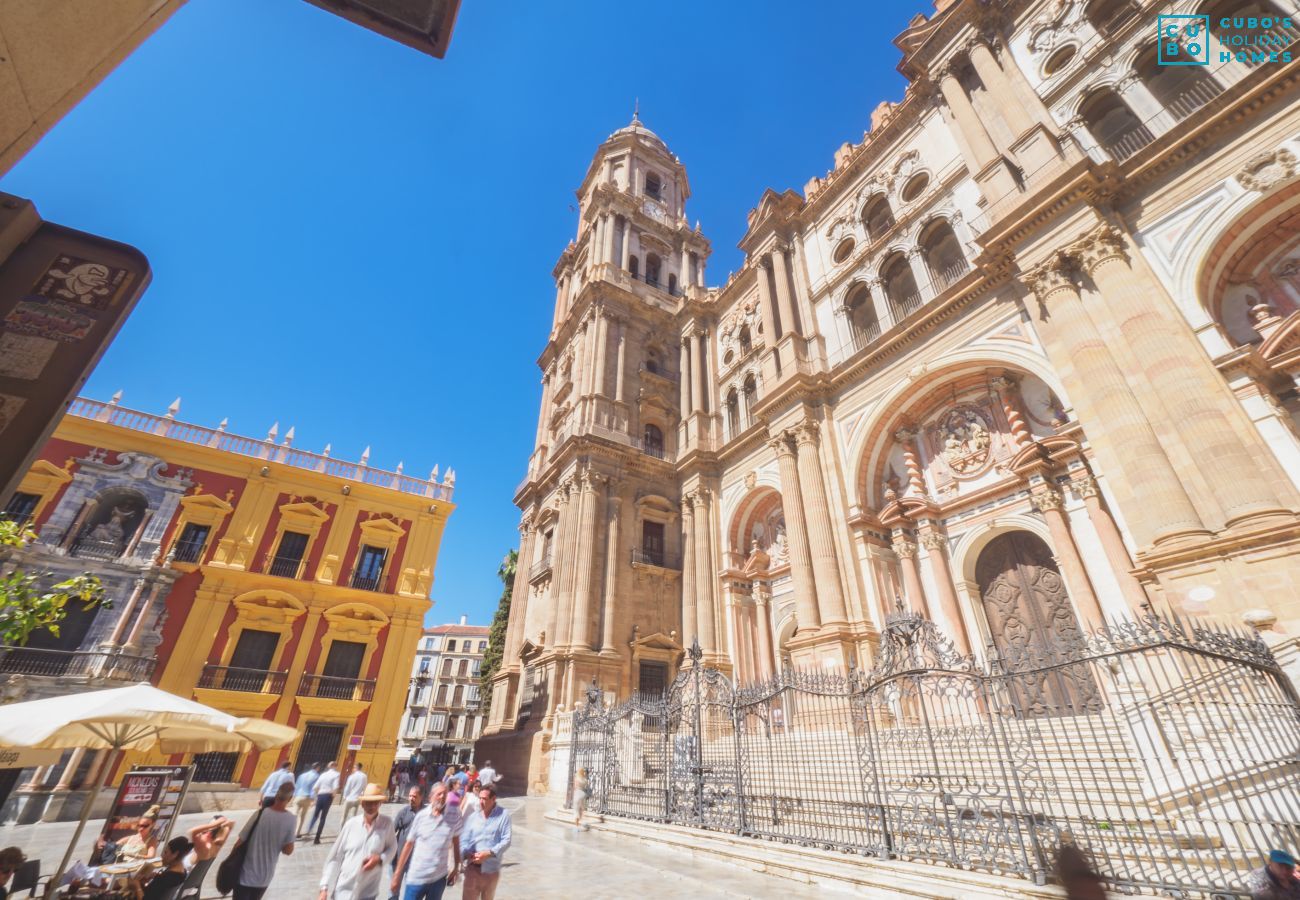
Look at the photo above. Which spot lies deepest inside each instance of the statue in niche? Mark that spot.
(114, 530)
(757, 561)
(964, 439)
(780, 551)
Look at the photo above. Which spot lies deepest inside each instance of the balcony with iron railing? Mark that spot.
(642, 556)
(1124, 144)
(187, 551)
(284, 566)
(1193, 98)
(332, 687)
(364, 582)
(238, 678)
(88, 548)
(540, 568)
(89, 664)
(947, 273)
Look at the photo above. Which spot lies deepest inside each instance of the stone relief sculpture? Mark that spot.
(964, 439)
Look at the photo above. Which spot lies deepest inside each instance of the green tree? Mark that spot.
(497, 634)
(25, 605)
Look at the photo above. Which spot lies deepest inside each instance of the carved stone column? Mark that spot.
(519, 591)
(591, 500)
(821, 540)
(906, 437)
(626, 252)
(1118, 431)
(1112, 544)
(684, 378)
(1184, 384)
(1017, 117)
(765, 309)
(134, 639)
(921, 274)
(1009, 394)
(690, 624)
(705, 609)
(1050, 504)
(766, 642)
(697, 373)
(612, 560)
(967, 121)
(70, 770)
(906, 552)
(124, 619)
(781, 275)
(621, 363)
(610, 222)
(936, 547)
(560, 567)
(602, 344)
(792, 503)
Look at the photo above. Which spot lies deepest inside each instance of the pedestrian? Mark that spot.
(352, 790)
(403, 781)
(162, 883)
(326, 787)
(1075, 873)
(208, 839)
(269, 835)
(142, 844)
(485, 839)
(487, 775)
(1276, 879)
(424, 855)
(469, 804)
(354, 869)
(303, 789)
(11, 860)
(282, 775)
(402, 827)
(580, 794)
(462, 777)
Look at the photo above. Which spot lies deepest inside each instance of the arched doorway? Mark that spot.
(1034, 627)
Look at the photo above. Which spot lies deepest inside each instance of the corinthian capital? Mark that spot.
(1046, 501)
(1048, 277)
(934, 541)
(1086, 487)
(905, 548)
(1101, 244)
(806, 433)
(780, 444)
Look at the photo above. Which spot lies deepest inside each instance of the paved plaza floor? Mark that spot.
(547, 861)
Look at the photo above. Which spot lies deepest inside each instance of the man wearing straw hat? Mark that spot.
(355, 867)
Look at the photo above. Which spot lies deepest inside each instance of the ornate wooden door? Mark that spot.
(1034, 627)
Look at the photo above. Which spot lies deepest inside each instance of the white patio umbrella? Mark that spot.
(139, 717)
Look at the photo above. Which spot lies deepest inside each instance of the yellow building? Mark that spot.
(253, 576)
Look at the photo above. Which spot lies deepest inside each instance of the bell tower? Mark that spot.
(598, 590)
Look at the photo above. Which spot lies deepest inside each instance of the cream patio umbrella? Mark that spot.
(139, 717)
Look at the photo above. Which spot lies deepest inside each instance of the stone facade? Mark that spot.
(444, 714)
(1024, 360)
(256, 577)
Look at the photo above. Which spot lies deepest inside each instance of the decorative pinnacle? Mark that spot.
(696, 653)
(636, 111)
(365, 457)
(326, 451)
(174, 408)
(115, 399)
(288, 437)
(273, 433)
(221, 426)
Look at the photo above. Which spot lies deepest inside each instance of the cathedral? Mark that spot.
(1024, 361)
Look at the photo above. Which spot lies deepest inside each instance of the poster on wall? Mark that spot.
(159, 790)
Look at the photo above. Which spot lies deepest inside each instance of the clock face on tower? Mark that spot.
(655, 211)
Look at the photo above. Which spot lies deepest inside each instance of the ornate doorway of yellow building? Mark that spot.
(1032, 622)
(320, 744)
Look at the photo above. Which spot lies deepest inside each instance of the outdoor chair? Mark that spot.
(193, 885)
(28, 878)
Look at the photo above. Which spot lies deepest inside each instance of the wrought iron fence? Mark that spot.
(109, 665)
(1169, 751)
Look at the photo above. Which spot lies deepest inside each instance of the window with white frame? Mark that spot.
(437, 723)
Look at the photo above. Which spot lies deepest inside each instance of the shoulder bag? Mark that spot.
(229, 870)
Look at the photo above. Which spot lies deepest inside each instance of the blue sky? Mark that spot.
(353, 238)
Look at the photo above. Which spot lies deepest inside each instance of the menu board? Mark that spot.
(143, 788)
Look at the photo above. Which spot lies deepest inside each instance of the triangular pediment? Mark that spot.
(657, 641)
(1284, 341)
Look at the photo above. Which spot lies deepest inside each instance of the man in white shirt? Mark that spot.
(352, 791)
(326, 787)
(282, 775)
(424, 856)
(487, 776)
(354, 869)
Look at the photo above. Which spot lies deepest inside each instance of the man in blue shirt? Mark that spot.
(302, 799)
(282, 775)
(484, 840)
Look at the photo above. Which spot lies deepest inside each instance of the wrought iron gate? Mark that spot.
(1178, 775)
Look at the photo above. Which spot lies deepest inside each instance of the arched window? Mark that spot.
(1180, 89)
(634, 266)
(652, 266)
(863, 325)
(463, 669)
(746, 341)
(733, 413)
(943, 255)
(1109, 16)
(442, 694)
(653, 187)
(652, 440)
(877, 217)
(1113, 124)
(446, 668)
(900, 286)
(458, 696)
(652, 364)
(750, 388)
(672, 284)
